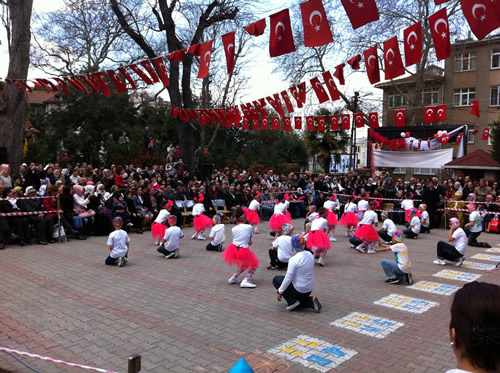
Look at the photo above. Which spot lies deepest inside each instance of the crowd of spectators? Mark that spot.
(91, 197)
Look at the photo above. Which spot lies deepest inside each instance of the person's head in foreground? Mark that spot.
(475, 327)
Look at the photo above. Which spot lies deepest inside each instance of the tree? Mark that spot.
(167, 17)
(16, 17)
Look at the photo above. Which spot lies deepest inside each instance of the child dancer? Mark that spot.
(252, 214)
(366, 231)
(170, 243)
(349, 218)
(424, 219)
(413, 227)
(201, 222)
(238, 252)
(281, 250)
(160, 224)
(388, 228)
(217, 235)
(280, 216)
(455, 250)
(118, 244)
(309, 218)
(399, 270)
(331, 205)
(317, 240)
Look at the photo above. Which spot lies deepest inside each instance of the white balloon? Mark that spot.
(403, 134)
(440, 133)
(445, 132)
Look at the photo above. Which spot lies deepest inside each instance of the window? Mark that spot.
(462, 97)
(495, 96)
(424, 171)
(398, 100)
(430, 96)
(495, 60)
(465, 62)
(400, 170)
(470, 137)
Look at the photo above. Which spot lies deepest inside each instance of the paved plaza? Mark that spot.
(181, 315)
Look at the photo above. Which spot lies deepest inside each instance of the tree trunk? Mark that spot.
(14, 109)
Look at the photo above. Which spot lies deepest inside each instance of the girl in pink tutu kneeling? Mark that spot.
(252, 213)
(349, 218)
(201, 222)
(317, 240)
(238, 252)
(331, 206)
(159, 226)
(280, 216)
(366, 231)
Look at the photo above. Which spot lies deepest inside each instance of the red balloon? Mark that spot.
(435, 135)
(407, 134)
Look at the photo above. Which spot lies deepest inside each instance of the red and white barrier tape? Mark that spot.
(8, 198)
(25, 213)
(46, 358)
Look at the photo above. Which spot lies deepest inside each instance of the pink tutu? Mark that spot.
(252, 216)
(349, 219)
(367, 233)
(202, 222)
(242, 257)
(277, 220)
(158, 231)
(319, 240)
(407, 214)
(289, 217)
(332, 218)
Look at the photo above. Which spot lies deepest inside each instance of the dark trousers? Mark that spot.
(211, 247)
(409, 233)
(44, 227)
(425, 229)
(275, 262)
(472, 239)
(447, 251)
(291, 295)
(355, 241)
(164, 251)
(20, 226)
(385, 236)
(111, 261)
(4, 229)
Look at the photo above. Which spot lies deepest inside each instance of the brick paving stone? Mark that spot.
(181, 315)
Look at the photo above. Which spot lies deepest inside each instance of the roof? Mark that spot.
(428, 76)
(475, 160)
(40, 97)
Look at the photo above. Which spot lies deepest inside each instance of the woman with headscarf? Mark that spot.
(80, 205)
(5, 178)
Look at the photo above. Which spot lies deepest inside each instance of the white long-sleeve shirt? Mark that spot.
(254, 205)
(198, 209)
(300, 273)
(80, 202)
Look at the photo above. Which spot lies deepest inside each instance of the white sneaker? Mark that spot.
(233, 280)
(439, 262)
(360, 249)
(347, 234)
(194, 235)
(371, 251)
(246, 283)
(321, 262)
(200, 237)
(460, 261)
(256, 231)
(293, 306)
(333, 239)
(176, 254)
(121, 261)
(157, 243)
(352, 246)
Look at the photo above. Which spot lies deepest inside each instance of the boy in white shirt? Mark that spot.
(474, 227)
(388, 228)
(413, 227)
(424, 219)
(217, 235)
(399, 270)
(118, 244)
(170, 243)
(281, 251)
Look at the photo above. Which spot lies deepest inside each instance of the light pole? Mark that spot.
(352, 157)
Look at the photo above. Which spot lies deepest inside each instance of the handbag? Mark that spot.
(494, 224)
(86, 214)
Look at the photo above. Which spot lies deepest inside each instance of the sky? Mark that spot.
(262, 83)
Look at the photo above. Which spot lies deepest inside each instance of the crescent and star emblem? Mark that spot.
(390, 51)
(400, 115)
(311, 17)
(429, 112)
(414, 34)
(319, 86)
(282, 25)
(476, 7)
(438, 22)
(373, 117)
(207, 58)
(369, 63)
(229, 48)
(440, 111)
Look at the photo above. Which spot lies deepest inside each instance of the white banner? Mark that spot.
(428, 159)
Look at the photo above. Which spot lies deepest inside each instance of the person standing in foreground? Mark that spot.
(118, 244)
(238, 252)
(475, 328)
(297, 284)
(399, 270)
(454, 252)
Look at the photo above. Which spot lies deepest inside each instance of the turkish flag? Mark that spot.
(413, 44)
(136, 69)
(298, 123)
(281, 40)
(440, 32)
(316, 28)
(474, 132)
(127, 76)
(176, 56)
(475, 108)
(360, 12)
(147, 65)
(321, 123)
(334, 122)
(483, 16)
(228, 40)
(310, 123)
(372, 65)
(400, 117)
(439, 2)
(299, 93)
(430, 114)
(276, 104)
(204, 119)
(441, 113)
(194, 49)
(354, 62)
(162, 70)
(392, 59)
(445, 139)
(117, 81)
(246, 124)
(320, 91)
(265, 123)
(332, 87)
(256, 28)
(339, 73)
(276, 123)
(287, 124)
(255, 124)
(346, 121)
(459, 138)
(359, 120)
(205, 54)
(486, 134)
(373, 120)
(288, 102)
